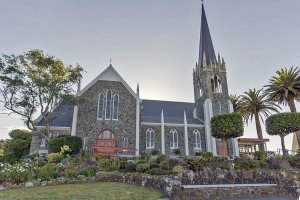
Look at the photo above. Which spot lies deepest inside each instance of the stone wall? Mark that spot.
(88, 125)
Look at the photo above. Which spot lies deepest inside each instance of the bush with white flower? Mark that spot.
(65, 150)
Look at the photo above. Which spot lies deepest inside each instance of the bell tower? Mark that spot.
(210, 86)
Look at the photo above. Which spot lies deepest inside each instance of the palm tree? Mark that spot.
(257, 106)
(238, 106)
(285, 89)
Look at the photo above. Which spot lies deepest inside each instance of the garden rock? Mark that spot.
(28, 184)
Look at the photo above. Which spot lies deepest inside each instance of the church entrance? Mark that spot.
(105, 144)
(222, 147)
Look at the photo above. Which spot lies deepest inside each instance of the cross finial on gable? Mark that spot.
(110, 61)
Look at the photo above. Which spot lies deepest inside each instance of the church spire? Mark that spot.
(206, 45)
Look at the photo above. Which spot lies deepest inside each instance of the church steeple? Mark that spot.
(206, 47)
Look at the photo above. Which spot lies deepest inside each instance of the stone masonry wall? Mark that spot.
(88, 125)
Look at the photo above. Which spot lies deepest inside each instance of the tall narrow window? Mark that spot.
(125, 143)
(197, 144)
(174, 139)
(43, 142)
(100, 106)
(200, 89)
(219, 107)
(150, 138)
(216, 84)
(116, 107)
(108, 105)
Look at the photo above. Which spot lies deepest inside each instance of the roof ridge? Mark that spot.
(168, 101)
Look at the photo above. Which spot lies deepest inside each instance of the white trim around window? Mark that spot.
(115, 110)
(100, 98)
(197, 144)
(174, 139)
(150, 139)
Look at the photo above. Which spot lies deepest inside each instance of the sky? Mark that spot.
(155, 43)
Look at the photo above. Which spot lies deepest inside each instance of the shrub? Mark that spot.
(226, 126)
(179, 169)
(260, 155)
(71, 173)
(141, 161)
(273, 163)
(108, 165)
(246, 164)
(207, 155)
(177, 151)
(154, 152)
(195, 163)
(158, 171)
(130, 166)
(47, 172)
(74, 142)
(17, 173)
(168, 164)
(142, 167)
(55, 144)
(154, 165)
(54, 157)
(144, 156)
(161, 157)
(88, 171)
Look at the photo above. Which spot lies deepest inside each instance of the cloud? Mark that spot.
(5, 130)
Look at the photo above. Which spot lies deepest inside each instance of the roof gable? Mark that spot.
(109, 74)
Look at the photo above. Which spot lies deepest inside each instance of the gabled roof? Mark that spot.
(109, 74)
(173, 112)
(63, 117)
(206, 45)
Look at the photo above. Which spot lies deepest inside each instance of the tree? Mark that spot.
(257, 106)
(283, 124)
(36, 82)
(284, 88)
(237, 103)
(227, 126)
(18, 146)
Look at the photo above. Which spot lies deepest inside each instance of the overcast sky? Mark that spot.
(155, 43)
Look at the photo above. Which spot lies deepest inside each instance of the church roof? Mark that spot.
(206, 45)
(173, 112)
(63, 118)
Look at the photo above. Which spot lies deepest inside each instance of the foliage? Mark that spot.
(168, 164)
(130, 166)
(246, 164)
(195, 163)
(154, 152)
(18, 146)
(74, 142)
(65, 150)
(177, 151)
(144, 156)
(273, 163)
(227, 125)
(158, 171)
(260, 155)
(179, 169)
(71, 173)
(283, 123)
(109, 165)
(16, 173)
(161, 157)
(54, 157)
(47, 172)
(35, 81)
(284, 87)
(142, 167)
(89, 170)
(154, 165)
(237, 103)
(207, 155)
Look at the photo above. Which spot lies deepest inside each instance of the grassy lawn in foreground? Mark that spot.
(105, 191)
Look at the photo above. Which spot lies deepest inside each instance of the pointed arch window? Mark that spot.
(216, 84)
(108, 104)
(100, 106)
(125, 142)
(174, 139)
(115, 107)
(197, 144)
(200, 89)
(150, 138)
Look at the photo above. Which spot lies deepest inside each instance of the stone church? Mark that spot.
(112, 115)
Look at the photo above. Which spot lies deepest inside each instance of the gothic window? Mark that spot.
(174, 139)
(216, 84)
(150, 138)
(197, 144)
(108, 105)
(116, 107)
(200, 91)
(43, 142)
(219, 107)
(125, 143)
(100, 106)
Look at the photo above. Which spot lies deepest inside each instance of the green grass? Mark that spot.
(109, 191)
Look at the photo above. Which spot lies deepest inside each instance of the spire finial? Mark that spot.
(110, 61)
(202, 1)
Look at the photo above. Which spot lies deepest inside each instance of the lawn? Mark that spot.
(103, 191)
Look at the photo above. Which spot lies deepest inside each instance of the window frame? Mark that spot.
(108, 118)
(173, 143)
(197, 145)
(151, 143)
(103, 106)
(113, 109)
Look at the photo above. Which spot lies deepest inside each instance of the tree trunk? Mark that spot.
(296, 136)
(284, 152)
(259, 131)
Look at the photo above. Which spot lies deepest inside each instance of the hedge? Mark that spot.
(227, 126)
(74, 142)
